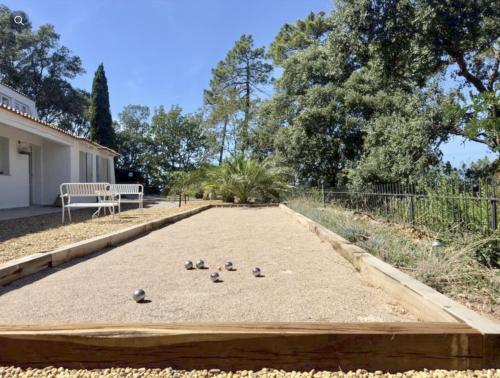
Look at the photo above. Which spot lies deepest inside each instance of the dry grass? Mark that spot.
(452, 270)
(44, 233)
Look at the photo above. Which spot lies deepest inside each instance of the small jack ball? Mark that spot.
(256, 272)
(229, 265)
(214, 277)
(188, 264)
(139, 295)
(200, 264)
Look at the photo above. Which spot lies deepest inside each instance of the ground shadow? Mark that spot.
(14, 228)
(18, 284)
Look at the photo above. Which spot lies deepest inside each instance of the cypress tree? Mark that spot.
(101, 124)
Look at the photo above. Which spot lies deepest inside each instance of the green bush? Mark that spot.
(245, 179)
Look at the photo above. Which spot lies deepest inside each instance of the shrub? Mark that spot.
(245, 179)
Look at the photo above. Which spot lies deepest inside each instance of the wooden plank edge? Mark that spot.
(373, 346)
(242, 327)
(250, 205)
(422, 300)
(28, 265)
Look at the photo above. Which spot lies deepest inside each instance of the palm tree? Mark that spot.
(247, 178)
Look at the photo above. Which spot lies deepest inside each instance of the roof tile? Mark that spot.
(53, 127)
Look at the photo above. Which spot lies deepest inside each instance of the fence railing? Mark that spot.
(467, 205)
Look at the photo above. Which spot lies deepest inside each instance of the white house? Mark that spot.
(36, 157)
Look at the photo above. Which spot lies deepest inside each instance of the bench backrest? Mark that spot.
(83, 189)
(126, 188)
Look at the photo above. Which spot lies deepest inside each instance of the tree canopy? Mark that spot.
(101, 123)
(235, 82)
(367, 93)
(34, 62)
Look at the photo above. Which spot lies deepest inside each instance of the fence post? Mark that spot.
(493, 207)
(180, 200)
(323, 193)
(412, 210)
(411, 192)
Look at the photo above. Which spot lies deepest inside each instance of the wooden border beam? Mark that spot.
(420, 299)
(290, 346)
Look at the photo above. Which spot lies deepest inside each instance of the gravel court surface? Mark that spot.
(304, 279)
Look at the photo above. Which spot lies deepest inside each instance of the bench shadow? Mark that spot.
(14, 228)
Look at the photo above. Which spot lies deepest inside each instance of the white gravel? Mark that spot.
(7, 372)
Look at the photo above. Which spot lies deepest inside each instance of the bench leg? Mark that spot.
(69, 213)
(63, 214)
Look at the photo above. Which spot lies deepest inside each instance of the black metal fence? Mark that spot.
(446, 205)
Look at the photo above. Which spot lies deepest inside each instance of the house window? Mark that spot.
(5, 100)
(22, 107)
(86, 167)
(4, 156)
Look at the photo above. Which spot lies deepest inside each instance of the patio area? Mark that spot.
(25, 212)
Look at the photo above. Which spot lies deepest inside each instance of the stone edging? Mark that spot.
(420, 299)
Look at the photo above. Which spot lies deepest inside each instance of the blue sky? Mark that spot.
(160, 52)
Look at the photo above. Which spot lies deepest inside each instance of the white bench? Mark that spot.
(128, 190)
(99, 191)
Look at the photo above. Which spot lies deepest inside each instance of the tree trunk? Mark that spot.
(223, 141)
(244, 132)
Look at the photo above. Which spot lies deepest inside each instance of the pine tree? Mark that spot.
(235, 79)
(101, 124)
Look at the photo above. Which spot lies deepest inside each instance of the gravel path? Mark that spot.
(8, 372)
(304, 279)
(43, 233)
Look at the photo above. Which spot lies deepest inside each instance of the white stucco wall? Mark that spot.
(14, 186)
(56, 170)
(52, 167)
(84, 147)
(14, 97)
(58, 161)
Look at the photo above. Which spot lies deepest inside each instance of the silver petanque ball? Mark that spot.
(437, 244)
(214, 277)
(139, 295)
(200, 264)
(228, 265)
(188, 264)
(256, 272)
